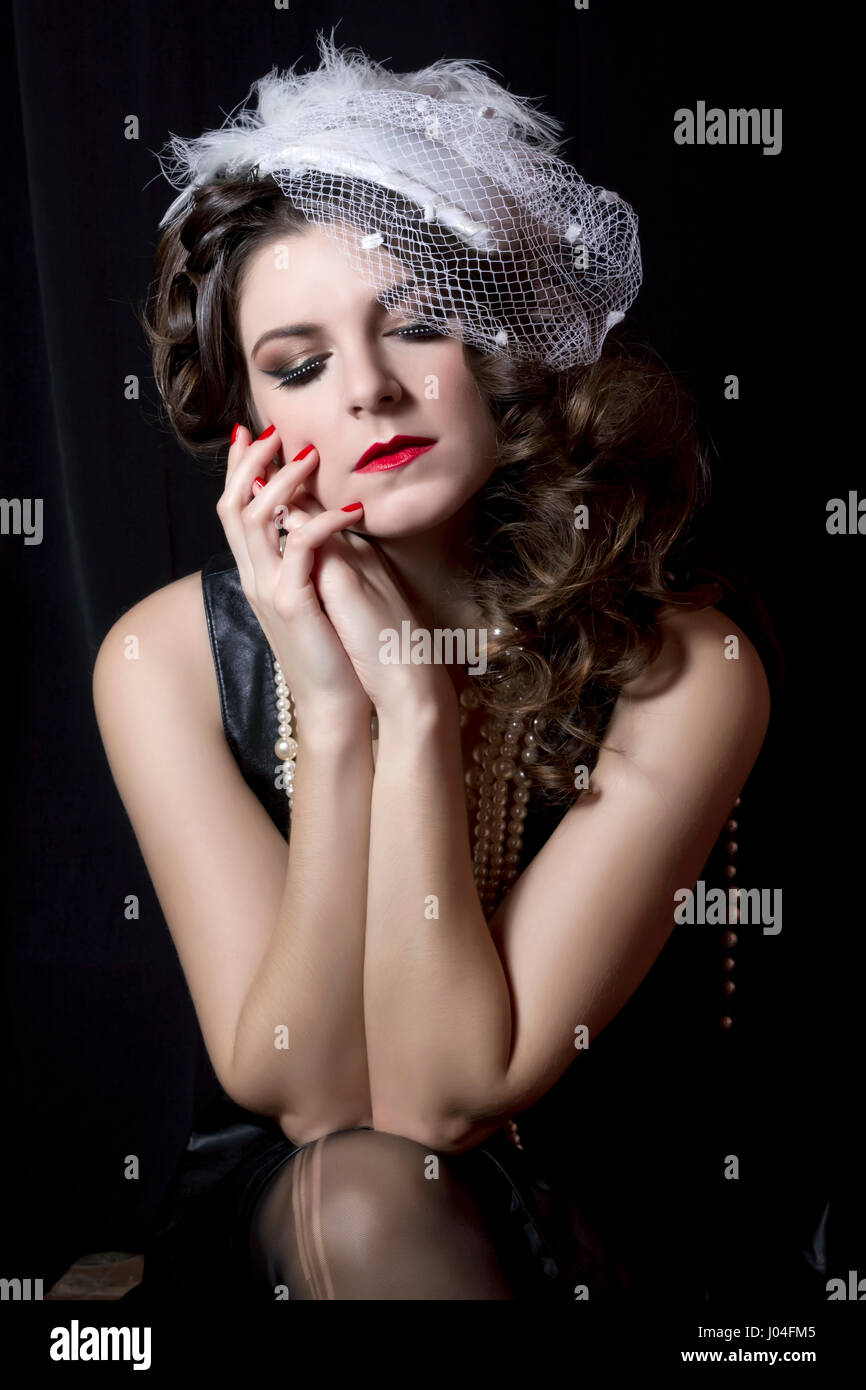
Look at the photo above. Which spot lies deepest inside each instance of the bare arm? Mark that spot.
(266, 935)
(310, 978)
(436, 996)
(469, 1022)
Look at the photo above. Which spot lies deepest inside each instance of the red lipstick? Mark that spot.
(400, 450)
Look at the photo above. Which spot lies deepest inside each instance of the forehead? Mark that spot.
(306, 275)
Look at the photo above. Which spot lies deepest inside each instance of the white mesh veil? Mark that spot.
(504, 244)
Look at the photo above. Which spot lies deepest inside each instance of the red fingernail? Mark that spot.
(235, 433)
(259, 481)
(264, 434)
(303, 453)
(352, 507)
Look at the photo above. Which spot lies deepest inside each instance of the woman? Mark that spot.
(457, 508)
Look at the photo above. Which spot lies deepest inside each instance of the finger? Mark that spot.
(302, 543)
(248, 535)
(285, 482)
(240, 442)
(260, 516)
(247, 459)
(302, 502)
(289, 519)
(305, 491)
(288, 515)
(226, 508)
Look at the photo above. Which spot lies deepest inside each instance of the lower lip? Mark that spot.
(398, 460)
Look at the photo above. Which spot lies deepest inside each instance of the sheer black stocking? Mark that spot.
(361, 1214)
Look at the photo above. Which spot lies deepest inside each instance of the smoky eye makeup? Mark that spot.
(401, 310)
(310, 367)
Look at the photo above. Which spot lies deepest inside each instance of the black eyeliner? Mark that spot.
(294, 375)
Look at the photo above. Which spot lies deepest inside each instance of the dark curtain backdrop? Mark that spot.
(103, 1050)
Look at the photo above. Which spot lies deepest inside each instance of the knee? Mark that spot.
(364, 1210)
(380, 1190)
(361, 1194)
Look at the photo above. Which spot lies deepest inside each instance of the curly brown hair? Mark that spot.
(571, 610)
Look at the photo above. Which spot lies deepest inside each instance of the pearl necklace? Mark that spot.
(499, 761)
(496, 856)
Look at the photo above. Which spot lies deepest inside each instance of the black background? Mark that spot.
(100, 1036)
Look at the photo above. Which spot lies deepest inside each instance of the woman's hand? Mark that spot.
(280, 588)
(363, 599)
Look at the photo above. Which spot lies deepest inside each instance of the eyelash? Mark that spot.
(298, 376)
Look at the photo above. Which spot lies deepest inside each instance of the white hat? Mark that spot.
(496, 229)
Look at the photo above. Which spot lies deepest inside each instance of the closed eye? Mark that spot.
(306, 371)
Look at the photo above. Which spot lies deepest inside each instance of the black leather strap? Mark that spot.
(245, 676)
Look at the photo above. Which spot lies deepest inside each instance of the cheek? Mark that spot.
(470, 409)
(260, 410)
(329, 491)
(480, 427)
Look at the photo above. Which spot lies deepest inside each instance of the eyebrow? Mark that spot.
(304, 330)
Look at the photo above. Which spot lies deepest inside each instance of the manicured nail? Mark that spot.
(264, 434)
(258, 482)
(352, 507)
(235, 433)
(303, 453)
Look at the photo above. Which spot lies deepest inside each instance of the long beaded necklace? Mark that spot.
(499, 765)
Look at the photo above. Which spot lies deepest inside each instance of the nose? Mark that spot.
(370, 383)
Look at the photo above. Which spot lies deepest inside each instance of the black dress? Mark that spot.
(598, 1195)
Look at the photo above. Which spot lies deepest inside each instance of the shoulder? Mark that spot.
(703, 699)
(706, 638)
(696, 646)
(162, 639)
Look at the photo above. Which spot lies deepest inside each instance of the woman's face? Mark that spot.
(365, 383)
